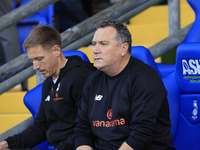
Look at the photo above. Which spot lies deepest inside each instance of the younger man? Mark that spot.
(61, 92)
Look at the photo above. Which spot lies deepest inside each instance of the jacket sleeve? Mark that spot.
(32, 136)
(147, 97)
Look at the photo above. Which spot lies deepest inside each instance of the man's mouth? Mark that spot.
(96, 59)
(42, 71)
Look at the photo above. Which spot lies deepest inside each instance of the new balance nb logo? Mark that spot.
(98, 97)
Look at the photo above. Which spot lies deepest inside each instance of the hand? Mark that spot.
(84, 147)
(3, 145)
(125, 146)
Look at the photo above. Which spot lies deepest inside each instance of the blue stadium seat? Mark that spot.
(33, 97)
(46, 13)
(183, 86)
(78, 53)
(165, 69)
(24, 28)
(44, 16)
(143, 54)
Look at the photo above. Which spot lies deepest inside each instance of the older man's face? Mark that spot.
(106, 51)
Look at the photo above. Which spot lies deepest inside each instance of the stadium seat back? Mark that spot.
(183, 87)
(143, 54)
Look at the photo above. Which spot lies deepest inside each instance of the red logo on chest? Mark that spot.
(57, 98)
(109, 114)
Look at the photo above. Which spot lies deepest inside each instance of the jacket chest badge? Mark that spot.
(57, 98)
(47, 99)
(56, 95)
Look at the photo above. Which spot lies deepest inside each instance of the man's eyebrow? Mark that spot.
(38, 57)
(101, 41)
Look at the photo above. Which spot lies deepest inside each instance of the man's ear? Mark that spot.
(124, 49)
(57, 50)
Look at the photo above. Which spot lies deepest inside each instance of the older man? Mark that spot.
(124, 103)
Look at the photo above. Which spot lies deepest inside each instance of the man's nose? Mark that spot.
(35, 65)
(96, 49)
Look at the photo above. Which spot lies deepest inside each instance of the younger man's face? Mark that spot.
(43, 60)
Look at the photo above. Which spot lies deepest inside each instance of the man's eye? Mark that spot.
(39, 59)
(93, 44)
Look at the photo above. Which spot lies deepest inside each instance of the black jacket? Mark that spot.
(55, 120)
(130, 107)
